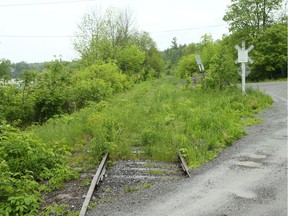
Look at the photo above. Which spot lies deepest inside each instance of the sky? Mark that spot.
(38, 30)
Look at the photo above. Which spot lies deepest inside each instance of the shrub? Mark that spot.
(98, 82)
(23, 161)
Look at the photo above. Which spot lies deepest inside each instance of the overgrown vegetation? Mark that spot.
(24, 162)
(109, 101)
(162, 116)
(259, 23)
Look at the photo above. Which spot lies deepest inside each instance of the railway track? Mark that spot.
(128, 176)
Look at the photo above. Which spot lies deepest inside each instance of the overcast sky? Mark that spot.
(36, 30)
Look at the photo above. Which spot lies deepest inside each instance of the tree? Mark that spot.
(192, 48)
(99, 36)
(97, 82)
(153, 63)
(207, 49)
(130, 59)
(270, 55)
(171, 56)
(5, 70)
(249, 17)
(88, 36)
(52, 91)
(112, 37)
(174, 44)
(28, 77)
(221, 69)
(18, 68)
(187, 66)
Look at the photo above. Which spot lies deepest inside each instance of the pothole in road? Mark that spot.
(249, 164)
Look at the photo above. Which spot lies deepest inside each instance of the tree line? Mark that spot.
(114, 55)
(261, 23)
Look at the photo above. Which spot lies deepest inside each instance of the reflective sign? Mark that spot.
(247, 71)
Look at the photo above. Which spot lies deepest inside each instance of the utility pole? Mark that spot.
(243, 58)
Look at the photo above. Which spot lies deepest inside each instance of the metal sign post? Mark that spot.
(243, 58)
(199, 63)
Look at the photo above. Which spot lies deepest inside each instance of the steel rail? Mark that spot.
(184, 164)
(97, 177)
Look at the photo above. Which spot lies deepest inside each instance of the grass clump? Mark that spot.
(131, 189)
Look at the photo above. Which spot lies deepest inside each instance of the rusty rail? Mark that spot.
(97, 177)
(184, 164)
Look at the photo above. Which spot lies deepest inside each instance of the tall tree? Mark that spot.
(5, 70)
(249, 17)
(270, 57)
(174, 44)
(99, 36)
(112, 37)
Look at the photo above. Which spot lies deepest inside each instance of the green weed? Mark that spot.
(131, 189)
(159, 116)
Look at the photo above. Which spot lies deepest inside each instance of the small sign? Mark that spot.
(198, 59)
(242, 56)
(247, 71)
(199, 62)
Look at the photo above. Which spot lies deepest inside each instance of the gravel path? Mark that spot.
(248, 178)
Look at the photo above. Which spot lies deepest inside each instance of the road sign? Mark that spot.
(243, 54)
(199, 62)
(247, 71)
(243, 58)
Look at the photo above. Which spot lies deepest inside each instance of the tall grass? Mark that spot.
(162, 117)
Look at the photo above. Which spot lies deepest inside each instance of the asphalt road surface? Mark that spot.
(248, 178)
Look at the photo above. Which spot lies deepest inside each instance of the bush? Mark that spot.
(98, 82)
(187, 66)
(23, 154)
(13, 107)
(19, 193)
(23, 162)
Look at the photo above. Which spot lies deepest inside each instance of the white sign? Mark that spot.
(242, 56)
(198, 59)
(247, 71)
(199, 62)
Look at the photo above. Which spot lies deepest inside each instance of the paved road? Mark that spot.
(248, 178)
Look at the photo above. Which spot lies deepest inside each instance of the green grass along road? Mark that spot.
(160, 116)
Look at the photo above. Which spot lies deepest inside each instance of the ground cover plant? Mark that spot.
(162, 117)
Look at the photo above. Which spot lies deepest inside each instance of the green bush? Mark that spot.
(187, 66)
(23, 162)
(13, 107)
(23, 154)
(97, 82)
(19, 193)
